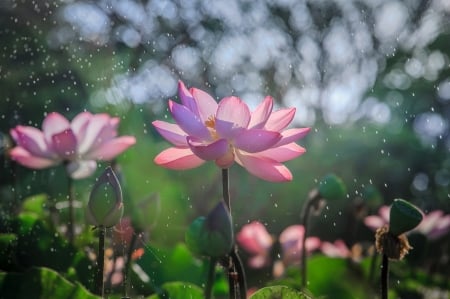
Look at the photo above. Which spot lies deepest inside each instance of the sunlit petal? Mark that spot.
(107, 132)
(266, 169)
(208, 151)
(171, 132)
(206, 104)
(188, 121)
(292, 135)
(32, 140)
(280, 119)
(79, 125)
(178, 158)
(261, 114)
(81, 169)
(65, 144)
(54, 123)
(25, 158)
(187, 98)
(235, 110)
(111, 148)
(283, 153)
(256, 140)
(94, 128)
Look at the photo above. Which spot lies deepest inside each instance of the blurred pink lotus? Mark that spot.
(336, 249)
(78, 144)
(255, 239)
(434, 225)
(227, 132)
(291, 243)
(374, 222)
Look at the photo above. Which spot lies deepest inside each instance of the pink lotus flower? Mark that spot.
(291, 240)
(89, 137)
(255, 239)
(339, 249)
(227, 132)
(434, 225)
(374, 222)
(336, 249)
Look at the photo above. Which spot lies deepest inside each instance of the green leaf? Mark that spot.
(36, 204)
(40, 283)
(166, 265)
(39, 245)
(279, 292)
(8, 248)
(334, 276)
(179, 290)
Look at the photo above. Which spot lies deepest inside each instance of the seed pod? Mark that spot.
(332, 187)
(404, 216)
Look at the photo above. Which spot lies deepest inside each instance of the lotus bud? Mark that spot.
(404, 216)
(212, 235)
(332, 187)
(105, 206)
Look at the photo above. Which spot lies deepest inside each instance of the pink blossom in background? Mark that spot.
(434, 225)
(291, 243)
(122, 235)
(255, 239)
(336, 249)
(228, 132)
(376, 221)
(78, 144)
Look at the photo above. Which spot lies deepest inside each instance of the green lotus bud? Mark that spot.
(193, 236)
(105, 206)
(211, 235)
(332, 187)
(403, 217)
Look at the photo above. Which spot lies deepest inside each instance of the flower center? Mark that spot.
(210, 123)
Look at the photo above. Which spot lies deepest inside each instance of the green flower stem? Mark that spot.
(226, 189)
(373, 263)
(385, 277)
(239, 269)
(100, 262)
(211, 278)
(237, 285)
(126, 271)
(15, 185)
(70, 223)
(312, 197)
